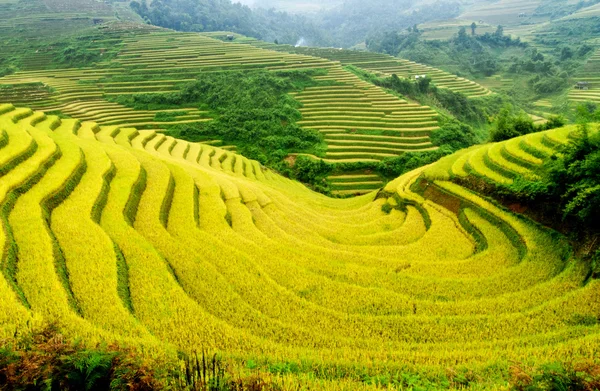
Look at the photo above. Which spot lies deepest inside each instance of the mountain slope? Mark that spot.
(131, 236)
(156, 61)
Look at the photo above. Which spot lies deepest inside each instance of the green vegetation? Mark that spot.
(223, 15)
(475, 111)
(544, 67)
(470, 55)
(570, 181)
(510, 123)
(83, 52)
(251, 110)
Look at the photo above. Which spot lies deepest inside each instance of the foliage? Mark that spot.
(313, 172)
(44, 360)
(454, 135)
(251, 110)
(570, 179)
(75, 57)
(483, 55)
(588, 112)
(556, 376)
(394, 167)
(473, 55)
(511, 123)
(549, 73)
(223, 15)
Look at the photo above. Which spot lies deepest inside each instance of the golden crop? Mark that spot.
(131, 236)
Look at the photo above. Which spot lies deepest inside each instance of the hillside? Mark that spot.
(191, 202)
(360, 122)
(380, 63)
(589, 74)
(131, 236)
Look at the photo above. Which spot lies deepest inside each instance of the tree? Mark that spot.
(499, 32)
(462, 34)
(454, 135)
(423, 84)
(510, 124)
(473, 27)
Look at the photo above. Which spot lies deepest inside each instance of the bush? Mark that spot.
(312, 172)
(44, 360)
(394, 167)
(557, 376)
(550, 84)
(454, 135)
(510, 124)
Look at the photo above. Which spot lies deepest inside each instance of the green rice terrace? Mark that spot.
(359, 121)
(380, 63)
(128, 236)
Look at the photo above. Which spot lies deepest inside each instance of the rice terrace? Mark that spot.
(285, 195)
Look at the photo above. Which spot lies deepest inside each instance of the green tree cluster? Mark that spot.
(472, 54)
(223, 15)
(253, 111)
(512, 123)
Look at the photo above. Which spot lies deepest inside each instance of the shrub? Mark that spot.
(45, 360)
(510, 124)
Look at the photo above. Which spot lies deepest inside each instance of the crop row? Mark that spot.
(339, 280)
(383, 63)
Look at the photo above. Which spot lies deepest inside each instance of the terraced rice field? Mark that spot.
(131, 236)
(443, 30)
(376, 62)
(360, 121)
(504, 12)
(587, 12)
(591, 74)
(505, 161)
(39, 20)
(152, 61)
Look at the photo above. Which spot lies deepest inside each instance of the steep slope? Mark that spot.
(136, 237)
